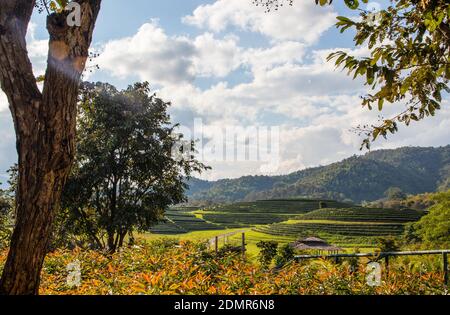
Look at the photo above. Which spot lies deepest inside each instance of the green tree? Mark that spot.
(285, 255)
(434, 228)
(410, 234)
(5, 208)
(4, 202)
(409, 59)
(388, 244)
(126, 172)
(6, 214)
(267, 252)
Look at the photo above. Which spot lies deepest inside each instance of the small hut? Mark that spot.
(315, 244)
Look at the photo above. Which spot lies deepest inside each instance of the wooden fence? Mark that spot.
(225, 239)
(385, 256)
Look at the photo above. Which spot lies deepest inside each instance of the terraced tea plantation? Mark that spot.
(179, 221)
(339, 223)
(354, 221)
(279, 206)
(349, 228)
(359, 214)
(244, 214)
(233, 220)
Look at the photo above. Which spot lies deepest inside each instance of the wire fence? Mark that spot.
(385, 255)
(216, 242)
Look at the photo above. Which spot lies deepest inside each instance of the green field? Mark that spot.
(359, 214)
(251, 237)
(278, 206)
(180, 221)
(247, 214)
(332, 227)
(284, 221)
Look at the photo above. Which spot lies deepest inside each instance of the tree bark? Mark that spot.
(131, 240)
(45, 125)
(111, 248)
(122, 238)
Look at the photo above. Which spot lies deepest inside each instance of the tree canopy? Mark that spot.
(125, 173)
(434, 228)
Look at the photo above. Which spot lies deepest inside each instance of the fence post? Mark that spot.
(445, 259)
(243, 245)
(386, 259)
(216, 244)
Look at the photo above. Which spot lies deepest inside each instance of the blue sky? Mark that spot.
(230, 64)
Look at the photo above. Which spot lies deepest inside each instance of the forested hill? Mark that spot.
(413, 169)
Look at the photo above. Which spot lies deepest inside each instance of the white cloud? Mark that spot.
(303, 22)
(280, 53)
(154, 56)
(150, 54)
(8, 154)
(279, 86)
(3, 102)
(37, 50)
(216, 58)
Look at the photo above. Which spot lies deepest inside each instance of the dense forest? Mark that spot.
(359, 178)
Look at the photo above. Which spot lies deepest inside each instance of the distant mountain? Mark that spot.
(413, 169)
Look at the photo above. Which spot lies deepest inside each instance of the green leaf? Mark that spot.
(40, 79)
(352, 4)
(380, 104)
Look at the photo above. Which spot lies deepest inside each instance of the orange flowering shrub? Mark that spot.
(167, 267)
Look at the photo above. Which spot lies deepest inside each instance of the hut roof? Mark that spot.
(313, 239)
(314, 243)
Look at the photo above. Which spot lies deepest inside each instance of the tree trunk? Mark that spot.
(131, 240)
(38, 196)
(122, 238)
(90, 228)
(45, 125)
(111, 241)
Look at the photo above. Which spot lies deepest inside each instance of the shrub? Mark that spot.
(353, 262)
(188, 268)
(285, 255)
(229, 250)
(388, 244)
(268, 251)
(434, 228)
(6, 213)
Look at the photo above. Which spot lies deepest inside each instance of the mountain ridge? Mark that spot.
(357, 178)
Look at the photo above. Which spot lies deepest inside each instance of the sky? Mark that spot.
(228, 63)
